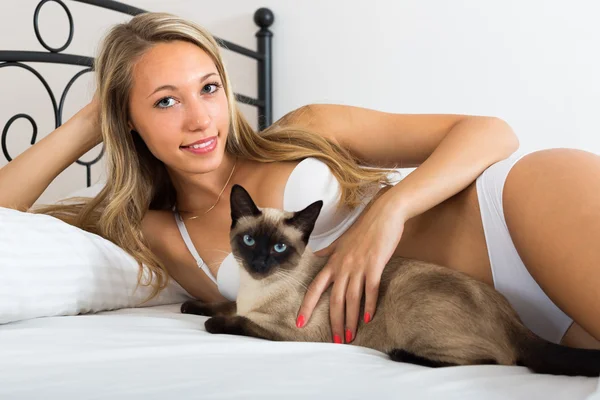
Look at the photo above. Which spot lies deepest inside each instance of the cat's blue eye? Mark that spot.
(280, 247)
(249, 240)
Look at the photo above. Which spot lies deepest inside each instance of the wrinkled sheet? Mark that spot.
(159, 353)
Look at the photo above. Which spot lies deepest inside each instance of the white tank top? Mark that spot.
(311, 180)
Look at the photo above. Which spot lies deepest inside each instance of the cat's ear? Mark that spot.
(241, 204)
(304, 220)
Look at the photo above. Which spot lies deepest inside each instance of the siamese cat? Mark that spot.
(426, 314)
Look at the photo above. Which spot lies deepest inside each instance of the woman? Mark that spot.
(176, 143)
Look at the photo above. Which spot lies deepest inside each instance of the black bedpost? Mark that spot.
(264, 18)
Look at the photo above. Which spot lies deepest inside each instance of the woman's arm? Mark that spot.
(450, 151)
(24, 179)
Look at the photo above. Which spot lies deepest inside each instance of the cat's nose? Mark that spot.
(259, 265)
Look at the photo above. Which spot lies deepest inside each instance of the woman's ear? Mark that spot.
(131, 128)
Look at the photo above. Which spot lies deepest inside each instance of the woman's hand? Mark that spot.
(90, 116)
(355, 266)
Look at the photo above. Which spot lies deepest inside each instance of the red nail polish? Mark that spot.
(348, 336)
(300, 321)
(367, 317)
(337, 339)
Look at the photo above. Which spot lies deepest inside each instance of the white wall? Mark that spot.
(534, 63)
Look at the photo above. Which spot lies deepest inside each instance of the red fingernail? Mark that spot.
(337, 339)
(367, 317)
(348, 336)
(300, 321)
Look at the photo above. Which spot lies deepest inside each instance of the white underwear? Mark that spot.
(511, 277)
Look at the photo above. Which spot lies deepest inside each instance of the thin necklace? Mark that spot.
(218, 197)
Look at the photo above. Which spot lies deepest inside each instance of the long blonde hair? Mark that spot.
(137, 181)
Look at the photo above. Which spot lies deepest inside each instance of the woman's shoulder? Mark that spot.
(162, 236)
(267, 183)
(157, 227)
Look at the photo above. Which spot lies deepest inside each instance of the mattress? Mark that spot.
(159, 353)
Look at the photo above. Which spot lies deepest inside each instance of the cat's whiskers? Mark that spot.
(222, 251)
(285, 279)
(289, 275)
(300, 274)
(218, 262)
(215, 264)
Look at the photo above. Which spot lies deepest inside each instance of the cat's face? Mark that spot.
(268, 240)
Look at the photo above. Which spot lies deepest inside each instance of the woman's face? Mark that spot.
(177, 100)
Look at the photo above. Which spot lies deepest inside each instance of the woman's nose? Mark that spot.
(198, 117)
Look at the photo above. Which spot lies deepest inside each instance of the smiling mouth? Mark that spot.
(204, 146)
(200, 145)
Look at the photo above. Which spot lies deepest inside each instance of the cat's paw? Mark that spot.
(195, 307)
(218, 325)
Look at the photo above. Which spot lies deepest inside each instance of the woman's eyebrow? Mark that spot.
(171, 87)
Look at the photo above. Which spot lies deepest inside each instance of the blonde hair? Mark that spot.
(137, 181)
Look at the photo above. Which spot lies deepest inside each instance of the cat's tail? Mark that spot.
(546, 357)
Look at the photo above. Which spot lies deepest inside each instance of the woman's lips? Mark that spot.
(202, 146)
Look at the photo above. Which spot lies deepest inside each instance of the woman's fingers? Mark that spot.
(372, 283)
(312, 296)
(353, 298)
(337, 307)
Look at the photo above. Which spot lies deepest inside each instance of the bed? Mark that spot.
(72, 323)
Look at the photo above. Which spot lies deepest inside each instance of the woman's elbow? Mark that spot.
(504, 135)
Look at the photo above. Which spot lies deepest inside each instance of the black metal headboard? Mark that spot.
(263, 17)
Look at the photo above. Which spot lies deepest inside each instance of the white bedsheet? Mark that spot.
(158, 353)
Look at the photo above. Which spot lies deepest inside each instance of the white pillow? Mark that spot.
(49, 268)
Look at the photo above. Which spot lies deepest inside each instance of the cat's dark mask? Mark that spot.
(264, 239)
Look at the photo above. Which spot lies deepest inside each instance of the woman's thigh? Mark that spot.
(551, 204)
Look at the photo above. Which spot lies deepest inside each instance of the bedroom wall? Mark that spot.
(533, 63)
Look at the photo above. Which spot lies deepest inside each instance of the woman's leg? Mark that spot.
(551, 204)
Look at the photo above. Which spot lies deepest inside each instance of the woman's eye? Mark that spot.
(248, 240)
(165, 103)
(211, 88)
(280, 247)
